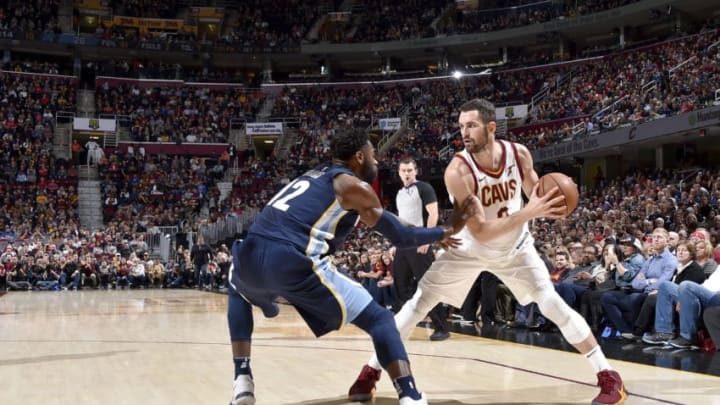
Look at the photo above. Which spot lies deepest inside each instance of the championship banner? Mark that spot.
(93, 124)
(390, 124)
(263, 128)
(511, 112)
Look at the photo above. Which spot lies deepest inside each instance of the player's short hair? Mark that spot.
(348, 141)
(485, 109)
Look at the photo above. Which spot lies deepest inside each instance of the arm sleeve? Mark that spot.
(636, 283)
(406, 236)
(633, 267)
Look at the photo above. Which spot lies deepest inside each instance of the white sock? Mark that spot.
(598, 360)
(374, 363)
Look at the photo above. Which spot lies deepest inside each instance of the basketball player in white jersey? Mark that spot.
(497, 240)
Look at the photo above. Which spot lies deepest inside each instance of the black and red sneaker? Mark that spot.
(612, 390)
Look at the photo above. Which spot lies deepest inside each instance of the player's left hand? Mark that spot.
(423, 249)
(450, 242)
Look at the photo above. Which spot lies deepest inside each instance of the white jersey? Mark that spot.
(500, 194)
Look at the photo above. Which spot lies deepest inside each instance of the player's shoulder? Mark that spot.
(458, 165)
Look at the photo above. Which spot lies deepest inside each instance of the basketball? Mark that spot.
(566, 186)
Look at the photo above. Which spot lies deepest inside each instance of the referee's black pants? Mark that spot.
(408, 267)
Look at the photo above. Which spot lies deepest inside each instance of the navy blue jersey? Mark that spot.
(306, 214)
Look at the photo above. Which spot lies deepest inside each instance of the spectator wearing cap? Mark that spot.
(627, 268)
(623, 307)
(687, 269)
(704, 251)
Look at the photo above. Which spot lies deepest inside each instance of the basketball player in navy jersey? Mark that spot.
(497, 239)
(288, 252)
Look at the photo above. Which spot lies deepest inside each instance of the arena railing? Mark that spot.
(649, 86)
(161, 241)
(671, 71)
(611, 107)
(224, 228)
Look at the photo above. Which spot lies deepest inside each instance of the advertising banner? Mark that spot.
(93, 124)
(511, 112)
(263, 128)
(390, 124)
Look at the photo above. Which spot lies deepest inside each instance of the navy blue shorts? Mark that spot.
(264, 269)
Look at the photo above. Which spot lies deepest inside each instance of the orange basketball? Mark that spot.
(566, 186)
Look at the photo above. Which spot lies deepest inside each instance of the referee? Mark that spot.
(417, 205)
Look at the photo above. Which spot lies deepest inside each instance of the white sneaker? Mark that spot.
(243, 391)
(410, 401)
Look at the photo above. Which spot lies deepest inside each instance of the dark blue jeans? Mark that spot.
(571, 293)
(621, 309)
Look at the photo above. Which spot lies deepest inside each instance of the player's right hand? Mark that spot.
(549, 205)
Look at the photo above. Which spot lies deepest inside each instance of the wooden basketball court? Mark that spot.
(171, 347)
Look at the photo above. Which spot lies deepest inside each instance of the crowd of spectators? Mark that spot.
(38, 191)
(273, 24)
(145, 8)
(194, 114)
(629, 88)
(385, 20)
(459, 21)
(35, 66)
(34, 15)
(159, 190)
(411, 19)
(147, 69)
(111, 258)
(284, 24)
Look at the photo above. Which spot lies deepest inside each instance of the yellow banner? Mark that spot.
(145, 23)
(208, 12)
(91, 4)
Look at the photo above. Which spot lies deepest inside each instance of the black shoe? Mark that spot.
(657, 338)
(438, 336)
(682, 343)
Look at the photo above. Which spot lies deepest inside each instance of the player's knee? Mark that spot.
(378, 322)
(571, 324)
(374, 317)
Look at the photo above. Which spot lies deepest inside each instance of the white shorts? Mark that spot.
(453, 273)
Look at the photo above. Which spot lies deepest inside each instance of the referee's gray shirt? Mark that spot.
(411, 201)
